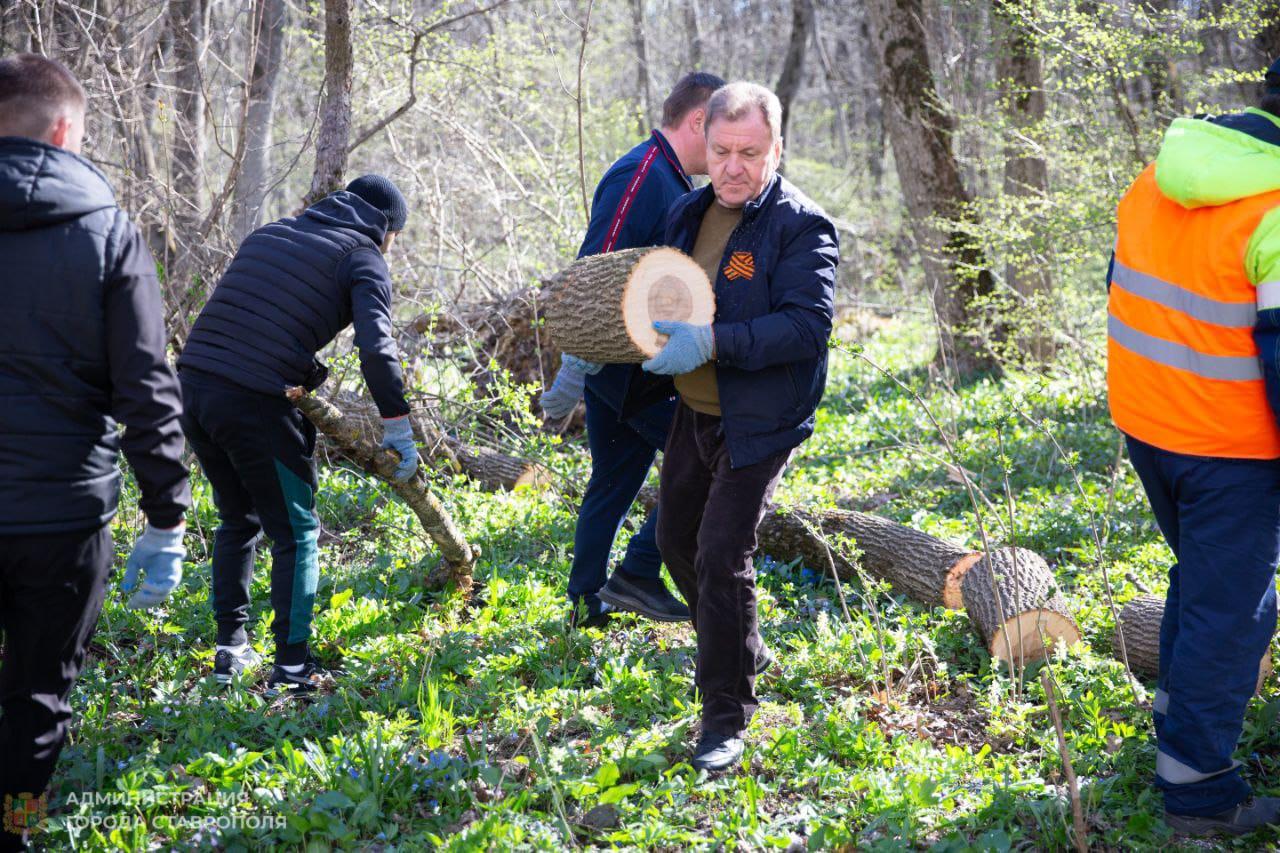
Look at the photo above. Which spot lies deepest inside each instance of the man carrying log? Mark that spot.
(82, 330)
(628, 211)
(749, 385)
(291, 288)
(1194, 341)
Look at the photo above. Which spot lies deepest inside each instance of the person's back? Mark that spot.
(82, 351)
(287, 294)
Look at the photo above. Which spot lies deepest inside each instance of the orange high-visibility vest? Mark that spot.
(1183, 372)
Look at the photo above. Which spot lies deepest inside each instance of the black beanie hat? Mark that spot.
(1273, 78)
(383, 195)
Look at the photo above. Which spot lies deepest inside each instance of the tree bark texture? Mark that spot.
(644, 89)
(268, 22)
(186, 197)
(602, 307)
(458, 556)
(335, 112)
(938, 204)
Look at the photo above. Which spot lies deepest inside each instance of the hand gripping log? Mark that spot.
(347, 433)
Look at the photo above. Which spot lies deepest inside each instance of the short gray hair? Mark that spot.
(734, 101)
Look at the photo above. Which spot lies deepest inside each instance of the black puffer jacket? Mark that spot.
(82, 348)
(292, 287)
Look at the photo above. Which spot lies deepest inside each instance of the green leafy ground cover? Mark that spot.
(483, 723)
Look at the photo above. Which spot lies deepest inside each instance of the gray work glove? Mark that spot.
(562, 397)
(397, 435)
(158, 554)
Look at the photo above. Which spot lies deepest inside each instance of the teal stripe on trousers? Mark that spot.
(299, 499)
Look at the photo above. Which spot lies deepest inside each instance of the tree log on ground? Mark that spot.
(1139, 627)
(494, 470)
(349, 434)
(602, 307)
(1011, 598)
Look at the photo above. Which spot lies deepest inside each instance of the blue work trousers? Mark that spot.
(621, 454)
(1221, 517)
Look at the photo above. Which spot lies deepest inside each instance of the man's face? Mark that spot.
(693, 126)
(741, 158)
(68, 131)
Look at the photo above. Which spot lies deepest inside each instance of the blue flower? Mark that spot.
(353, 773)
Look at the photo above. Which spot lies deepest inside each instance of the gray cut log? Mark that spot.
(1013, 602)
(602, 307)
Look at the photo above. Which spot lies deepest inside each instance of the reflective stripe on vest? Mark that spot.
(1183, 372)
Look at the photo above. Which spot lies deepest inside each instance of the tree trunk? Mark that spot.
(1020, 79)
(643, 88)
(1009, 594)
(693, 30)
(938, 204)
(1268, 38)
(270, 17)
(792, 76)
(335, 113)
(458, 556)
(187, 21)
(602, 307)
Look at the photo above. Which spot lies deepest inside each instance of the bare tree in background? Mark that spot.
(938, 205)
(335, 113)
(267, 25)
(693, 26)
(1020, 80)
(792, 76)
(643, 87)
(1268, 38)
(187, 22)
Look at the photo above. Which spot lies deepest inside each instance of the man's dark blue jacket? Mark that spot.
(82, 349)
(292, 287)
(771, 330)
(629, 211)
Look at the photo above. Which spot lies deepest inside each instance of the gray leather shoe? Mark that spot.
(1245, 818)
(648, 597)
(717, 752)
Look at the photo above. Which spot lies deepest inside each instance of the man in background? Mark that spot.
(83, 341)
(628, 212)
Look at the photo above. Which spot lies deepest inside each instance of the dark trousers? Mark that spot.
(51, 592)
(1221, 517)
(621, 455)
(258, 454)
(707, 534)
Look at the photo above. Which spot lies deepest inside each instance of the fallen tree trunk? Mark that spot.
(492, 469)
(1139, 628)
(348, 434)
(1009, 594)
(602, 307)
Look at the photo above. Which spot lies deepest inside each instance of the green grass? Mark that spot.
(484, 723)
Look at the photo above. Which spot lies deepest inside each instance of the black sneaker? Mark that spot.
(717, 752)
(1241, 820)
(227, 665)
(648, 597)
(310, 678)
(764, 661)
(588, 612)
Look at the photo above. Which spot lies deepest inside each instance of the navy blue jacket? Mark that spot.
(629, 211)
(292, 287)
(82, 349)
(771, 330)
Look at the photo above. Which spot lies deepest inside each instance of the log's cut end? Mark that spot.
(1139, 628)
(1033, 636)
(952, 597)
(665, 285)
(1012, 599)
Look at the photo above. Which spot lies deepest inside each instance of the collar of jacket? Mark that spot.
(670, 153)
(750, 210)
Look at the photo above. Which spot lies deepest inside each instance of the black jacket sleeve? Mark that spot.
(144, 391)
(370, 286)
